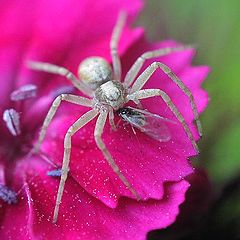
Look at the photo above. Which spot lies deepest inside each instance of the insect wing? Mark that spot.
(153, 125)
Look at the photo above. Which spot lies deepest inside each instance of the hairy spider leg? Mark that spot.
(148, 72)
(111, 120)
(52, 111)
(147, 93)
(137, 65)
(51, 68)
(83, 120)
(101, 145)
(114, 45)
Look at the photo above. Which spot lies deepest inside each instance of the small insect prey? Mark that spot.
(107, 93)
(151, 124)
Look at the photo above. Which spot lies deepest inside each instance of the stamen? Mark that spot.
(55, 173)
(7, 195)
(12, 119)
(62, 90)
(24, 92)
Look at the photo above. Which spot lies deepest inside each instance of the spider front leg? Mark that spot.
(51, 68)
(135, 68)
(83, 120)
(147, 93)
(56, 103)
(98, 138)
(144, 77)
(114, 45)
(111, 120)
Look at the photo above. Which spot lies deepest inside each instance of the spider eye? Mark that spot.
(94, 71)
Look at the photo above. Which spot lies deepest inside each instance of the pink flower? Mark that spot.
(95, 205)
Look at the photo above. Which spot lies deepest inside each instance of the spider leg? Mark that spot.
(56, 103)
(135, 68)
(114, 45)
(147, 93)
(83, 120)
(98, 133)
(111, 120)
(144, 77)
(51, 68)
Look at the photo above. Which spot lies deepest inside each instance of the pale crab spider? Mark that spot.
(106, 95)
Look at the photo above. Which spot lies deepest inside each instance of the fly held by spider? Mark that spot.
(150, 124)
(108, 93)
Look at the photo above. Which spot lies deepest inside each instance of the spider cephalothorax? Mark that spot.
(111, 93)
(106, 94)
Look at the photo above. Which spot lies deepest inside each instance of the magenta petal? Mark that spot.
(194, 76)
(84, 217)
(146, 163)
(9, 60)
(38, 112)
(16, 219)
(88, 166)
(2, 175)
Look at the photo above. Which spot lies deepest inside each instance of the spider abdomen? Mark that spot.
(94, 71)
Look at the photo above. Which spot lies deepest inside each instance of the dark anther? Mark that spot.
(55, 173)
(8, 195)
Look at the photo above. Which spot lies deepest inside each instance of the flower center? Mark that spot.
(16, 141)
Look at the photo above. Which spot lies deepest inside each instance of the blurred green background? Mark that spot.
(214, 26)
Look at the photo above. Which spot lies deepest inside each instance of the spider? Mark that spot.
(106, 95)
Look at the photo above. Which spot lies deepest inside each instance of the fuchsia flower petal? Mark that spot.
(94, 174)
(95, 205)
(89, 167)
(84, 216)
